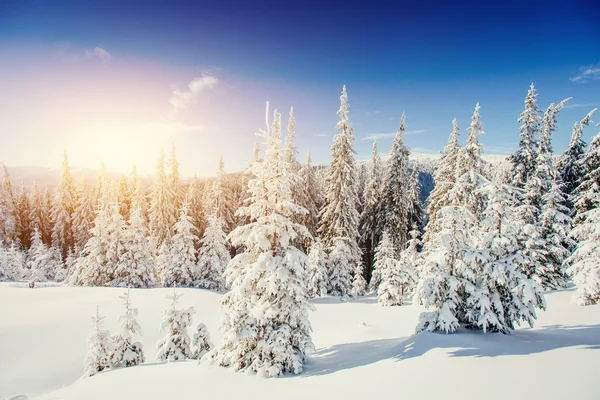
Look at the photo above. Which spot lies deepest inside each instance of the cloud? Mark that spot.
(376, 112)
(180, 99)
(320, 135)
(99, 53)
(587, 73)
(576, 105)
(377, 136)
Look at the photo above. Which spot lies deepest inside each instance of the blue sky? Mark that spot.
(111, 80)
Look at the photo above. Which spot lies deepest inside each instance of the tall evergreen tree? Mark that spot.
(47, 224)
(221, 199)
(162, 211)
(584, 198)
(416, 212)
(196, 205)
(310, 196)
(339, 218)
(444, 177)
(83, 216)
(62, 211)
(385, 260)
(174, 176)
(568, 164)
(317, 270)
(396, 190)
(8, 210)
(523, 161)
(269, 272)
(181, 265)
(213, 256)
(23, 206)
(371, 221)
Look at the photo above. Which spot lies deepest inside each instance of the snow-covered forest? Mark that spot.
(480, 251)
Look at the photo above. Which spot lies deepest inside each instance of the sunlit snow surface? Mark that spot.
(363, 351)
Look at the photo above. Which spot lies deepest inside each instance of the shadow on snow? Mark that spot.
(463, 343)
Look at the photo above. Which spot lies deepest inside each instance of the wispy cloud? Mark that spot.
(576, 105)
(377, 136)
(587, 73)
(180, 99)
(99, 53)
(376, 112)
(320, 135)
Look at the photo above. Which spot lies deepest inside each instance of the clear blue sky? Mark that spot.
(69, 68)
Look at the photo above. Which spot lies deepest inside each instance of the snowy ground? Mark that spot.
(363, 351)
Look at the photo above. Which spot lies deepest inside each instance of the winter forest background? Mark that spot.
(477, 243)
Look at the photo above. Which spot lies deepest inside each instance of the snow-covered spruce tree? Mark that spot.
(416, 211)
(42, 262)
(371, 221)
(396, 190)
(568, 164)
(98, 352)
(196, 204)
(181, 265)
(523, 161)
(162, 212)
(8, 210)
(201, 343)
(290, 153)
(47, 224)
(385, 259)
(444, 177)
(545, 170)
(173, 177)
(310, 196)
(136, 268)
(317, 273)
(176, 343)
(124, 351)
(556, 226)
(221, 200)
(498, 294)
(15, 262)
(123, 197)
(470, 170)
(266, 326)
(83, 216)
(36, 216)
(398, 276)
(62, 211)
(361, 184)
(359, 283)
(339, 218)
(23, 232)
(5, 273)
(584, 198)
(213, 256)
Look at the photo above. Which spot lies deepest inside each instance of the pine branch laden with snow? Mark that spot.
(444, 177)
(98, 352)
(213, 256)
(125, 352)
(395, 198)
(317, 272)
(266, 326)
(524, 160)
(201, 342)
(175, 345)
(180, 266)
(339, 218)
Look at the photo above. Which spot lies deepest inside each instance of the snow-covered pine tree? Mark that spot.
(416, 211)
(500, 295)
(36, 209)
(5, 273)
(359, 283)
(98, 352)
(47, 224)
(196, 204)
(124, 351)
(136, 268)
(568, 164)
(444, 177)
(266, 326)
(181, 265)
(256, 151)
(173, 166)
(8, 210)
(584, 198)
(162, 213)
(83, 217)
(339, 218)
(62, 211)
(123, 197)
(396, 191)
(220, 199)
(42, 262)
(23, 206)
(290, 153)
(523, 161)
(361, 184)
(371, 221)
(385, 259)
(310, 198)
(15, 262)
(398, 276)
(175, 323)
(213, 256)
(316, 270)
(201, 343)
